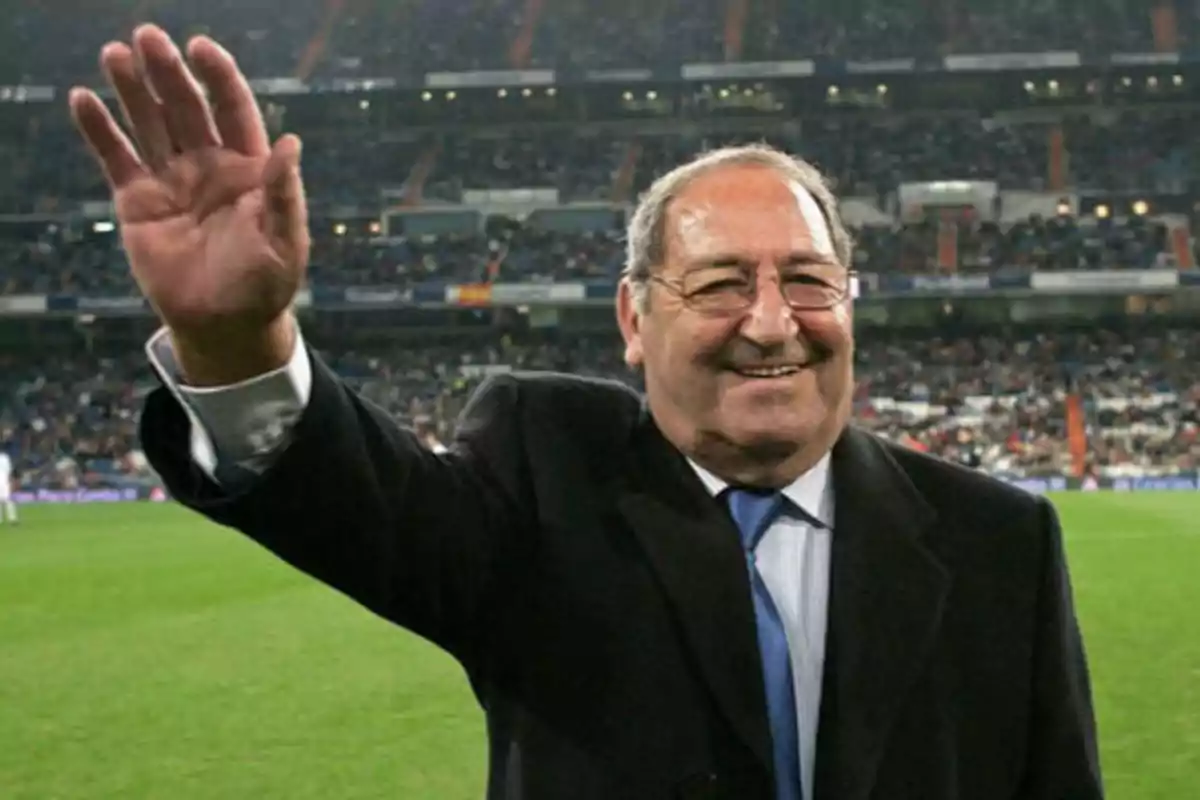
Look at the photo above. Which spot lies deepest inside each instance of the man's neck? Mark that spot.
(768, 468)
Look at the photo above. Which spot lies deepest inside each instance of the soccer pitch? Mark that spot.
(147, 654)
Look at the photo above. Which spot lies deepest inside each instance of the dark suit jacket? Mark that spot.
(598, 599)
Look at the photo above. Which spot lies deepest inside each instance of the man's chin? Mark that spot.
(770, 434)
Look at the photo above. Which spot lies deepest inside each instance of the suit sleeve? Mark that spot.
(356, 502)
(1063, 761)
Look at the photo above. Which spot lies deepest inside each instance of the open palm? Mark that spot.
(212, 218)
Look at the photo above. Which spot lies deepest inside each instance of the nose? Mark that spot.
(770, 321)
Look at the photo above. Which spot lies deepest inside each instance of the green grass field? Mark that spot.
(147, 654)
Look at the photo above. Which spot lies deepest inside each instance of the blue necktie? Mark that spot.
(753, 512)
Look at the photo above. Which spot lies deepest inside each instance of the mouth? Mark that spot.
(768, 372)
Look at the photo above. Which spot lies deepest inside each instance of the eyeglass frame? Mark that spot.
(676, 288)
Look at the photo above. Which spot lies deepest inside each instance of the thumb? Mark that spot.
(284, 208)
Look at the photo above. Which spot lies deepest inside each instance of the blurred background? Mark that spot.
(1022, 178)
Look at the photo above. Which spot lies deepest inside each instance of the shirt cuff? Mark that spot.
(242, 425)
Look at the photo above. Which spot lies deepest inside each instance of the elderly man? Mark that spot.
(721, 591)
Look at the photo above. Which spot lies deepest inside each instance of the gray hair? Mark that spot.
(646, 234)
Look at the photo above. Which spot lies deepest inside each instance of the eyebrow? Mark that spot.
(726, 260)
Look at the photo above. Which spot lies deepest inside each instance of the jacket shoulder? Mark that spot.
(558, 410)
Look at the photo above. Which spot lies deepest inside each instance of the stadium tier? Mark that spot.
(1005, 401)
(374, 38)
(1020, 179)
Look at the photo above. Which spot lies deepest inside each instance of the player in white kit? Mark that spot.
(8, 509)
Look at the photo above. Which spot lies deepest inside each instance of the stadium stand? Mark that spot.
(375, 38)
(1019, 177)
(991, 401)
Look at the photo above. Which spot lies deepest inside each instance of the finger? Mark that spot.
(238, 117)
(107, 142)
(141, 110)
(286, 213)
(184, 107)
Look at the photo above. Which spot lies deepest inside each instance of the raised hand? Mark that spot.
(212, 217)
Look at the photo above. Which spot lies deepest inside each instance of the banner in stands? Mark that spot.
(797, 69)
(747, 70)
(1016, 61)
(1183, 482)
(115, 305)
(1143, 59)
(489, 78)
(936, 284)
(430, 293)
(23, 304)
(377, 296)
(109, 495)
(1190, 277)
(1105, 280)
(889, 66)
(470, 294)
(534, 293)
(600, 290)
(595, 292)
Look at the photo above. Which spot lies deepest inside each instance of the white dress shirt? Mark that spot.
(793, 558)
(246, 424)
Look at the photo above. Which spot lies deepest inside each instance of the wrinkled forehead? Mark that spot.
(758, 216)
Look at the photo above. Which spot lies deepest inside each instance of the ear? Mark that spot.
(630, 322)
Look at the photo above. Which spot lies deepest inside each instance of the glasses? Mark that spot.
(729, 290)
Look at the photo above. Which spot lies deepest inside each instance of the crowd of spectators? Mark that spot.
(508, 250)
(499, 249)
(377, 38)
(46, 169)
(72, 423)
(995, 402)
(999, 402)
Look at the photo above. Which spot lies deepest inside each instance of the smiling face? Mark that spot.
(750, 387)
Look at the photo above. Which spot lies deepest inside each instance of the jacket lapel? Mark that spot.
(693, 548)
(887, 593)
